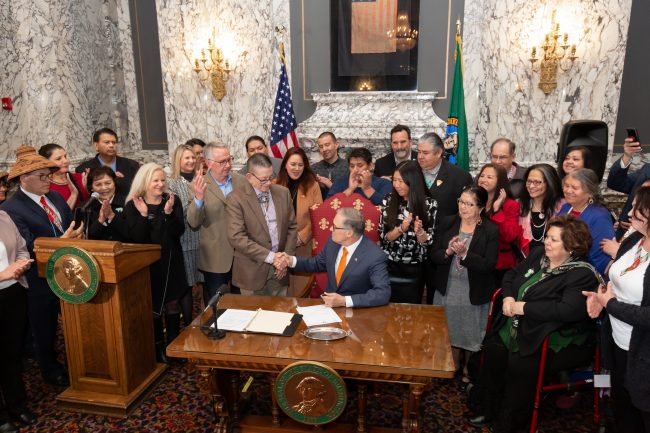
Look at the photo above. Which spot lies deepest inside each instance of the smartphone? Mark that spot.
(634, 134)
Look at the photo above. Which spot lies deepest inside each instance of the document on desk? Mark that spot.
(263, 321)
(318, 315)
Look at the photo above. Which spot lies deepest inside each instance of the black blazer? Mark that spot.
(126, 166)
(116, 230)
(480, 260)
(638, 357)
(32, 223)
(447, 187)
(552, 303)
(385, 166)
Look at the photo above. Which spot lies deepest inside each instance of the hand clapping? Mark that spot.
(199, 187)
(72, 233)
(169, 204)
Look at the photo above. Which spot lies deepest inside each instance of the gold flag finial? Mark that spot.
(458, 25)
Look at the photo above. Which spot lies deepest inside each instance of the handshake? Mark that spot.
(281, 262)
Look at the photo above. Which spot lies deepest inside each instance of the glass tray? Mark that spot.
(325, 333)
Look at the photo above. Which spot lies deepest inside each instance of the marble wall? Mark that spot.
(246, 28)
(501, 93)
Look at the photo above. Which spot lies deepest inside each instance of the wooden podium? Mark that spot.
(109, 340)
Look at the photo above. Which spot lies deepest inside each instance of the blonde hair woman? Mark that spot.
(184, 165)
(155, 216)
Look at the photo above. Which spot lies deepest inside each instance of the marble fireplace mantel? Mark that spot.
(366, 118)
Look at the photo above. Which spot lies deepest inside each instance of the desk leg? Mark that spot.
(235, 398)
(219, 391)
(275, 409)
(361, 418)
(415, 399)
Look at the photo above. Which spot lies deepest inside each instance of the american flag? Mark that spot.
(283, 128)
(371, 20)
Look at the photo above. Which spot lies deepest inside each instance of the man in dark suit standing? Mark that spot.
(105, 141)
(261, 223)
(37, 212)
(444, 180)
(356, 267)
(400, 143)
(621, 180)
(502, 153)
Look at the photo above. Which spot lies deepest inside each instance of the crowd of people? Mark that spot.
(542, 234)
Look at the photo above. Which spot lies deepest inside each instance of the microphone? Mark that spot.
(215, 299)
(215, 333)
(93, 197)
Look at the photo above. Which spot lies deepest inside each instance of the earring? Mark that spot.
(591, 200)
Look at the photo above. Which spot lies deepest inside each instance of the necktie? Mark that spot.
(341, 267)
(51, 215)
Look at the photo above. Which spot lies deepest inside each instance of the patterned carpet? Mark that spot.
(177, 405)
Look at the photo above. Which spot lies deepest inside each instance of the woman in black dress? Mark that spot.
(154, 216)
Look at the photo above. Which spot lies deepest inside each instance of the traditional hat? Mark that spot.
(3, 174)
(27, 160)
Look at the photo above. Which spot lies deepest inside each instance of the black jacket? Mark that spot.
(480, 260)
(638, 357)
(116, 230)
(552, 303)
(385, 166)
(447, 187)
(126, 166)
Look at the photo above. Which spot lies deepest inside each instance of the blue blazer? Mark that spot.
(32, 223)
(619, 179)
(365, 278)
(600, 224)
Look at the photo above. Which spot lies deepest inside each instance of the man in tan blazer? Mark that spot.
(261, 223)
(207, 213)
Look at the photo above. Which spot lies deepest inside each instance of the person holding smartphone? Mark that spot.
(621, 180)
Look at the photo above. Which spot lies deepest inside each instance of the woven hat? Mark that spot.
(3, 174)
(28, 160)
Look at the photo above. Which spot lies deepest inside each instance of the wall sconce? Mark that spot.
(554, 57)
(215, 67)
(405, 37)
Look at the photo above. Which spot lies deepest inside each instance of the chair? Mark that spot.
(322, 215)
(541, 387)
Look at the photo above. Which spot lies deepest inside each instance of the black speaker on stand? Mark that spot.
(591, 134)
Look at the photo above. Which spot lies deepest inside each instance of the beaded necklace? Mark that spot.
(640, 256)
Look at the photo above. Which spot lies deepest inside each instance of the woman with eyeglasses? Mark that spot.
(296, 175)
(540, 200)
(503, 211)
(464, 254)
(71, 186)
(583, 200)
(406, 225)
(626, 341)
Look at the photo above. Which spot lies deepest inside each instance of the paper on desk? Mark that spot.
(318, 315)
(269, 322)
(235, 320)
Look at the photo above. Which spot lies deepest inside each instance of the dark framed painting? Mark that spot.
(372, 47)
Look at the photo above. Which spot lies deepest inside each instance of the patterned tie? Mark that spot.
(54, 219)
(341, 267)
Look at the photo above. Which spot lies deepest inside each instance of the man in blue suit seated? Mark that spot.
(361, 179)
(355, 266)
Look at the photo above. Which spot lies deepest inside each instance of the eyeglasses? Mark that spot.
(263, 181)
(42, 176)
(465, 203)
(534, 182)
(223, 161)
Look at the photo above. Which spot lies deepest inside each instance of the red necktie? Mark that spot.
(51, 215)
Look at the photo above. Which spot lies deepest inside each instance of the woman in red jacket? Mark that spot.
(503, 211)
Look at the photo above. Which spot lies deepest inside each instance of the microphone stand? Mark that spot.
(213, 332)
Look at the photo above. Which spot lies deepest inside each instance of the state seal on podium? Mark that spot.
(73, 275)
(310, 393)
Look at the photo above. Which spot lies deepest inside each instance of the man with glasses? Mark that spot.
(502, 153)
(356, 267)
(261, 224)
(105, 141)
(207, 213)
(38, 212)
(256, 144)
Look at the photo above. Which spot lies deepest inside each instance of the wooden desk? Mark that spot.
(395, 343)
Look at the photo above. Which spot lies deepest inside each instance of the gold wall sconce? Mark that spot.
(214, 67)
(556, 55)
(405, 37)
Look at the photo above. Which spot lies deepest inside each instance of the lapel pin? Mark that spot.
(438, 182)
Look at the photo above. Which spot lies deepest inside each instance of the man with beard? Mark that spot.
(400, 143)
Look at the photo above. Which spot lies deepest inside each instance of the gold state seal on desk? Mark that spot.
(72, 274)
(310, 393)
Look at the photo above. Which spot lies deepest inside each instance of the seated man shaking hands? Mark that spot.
(355, 266)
